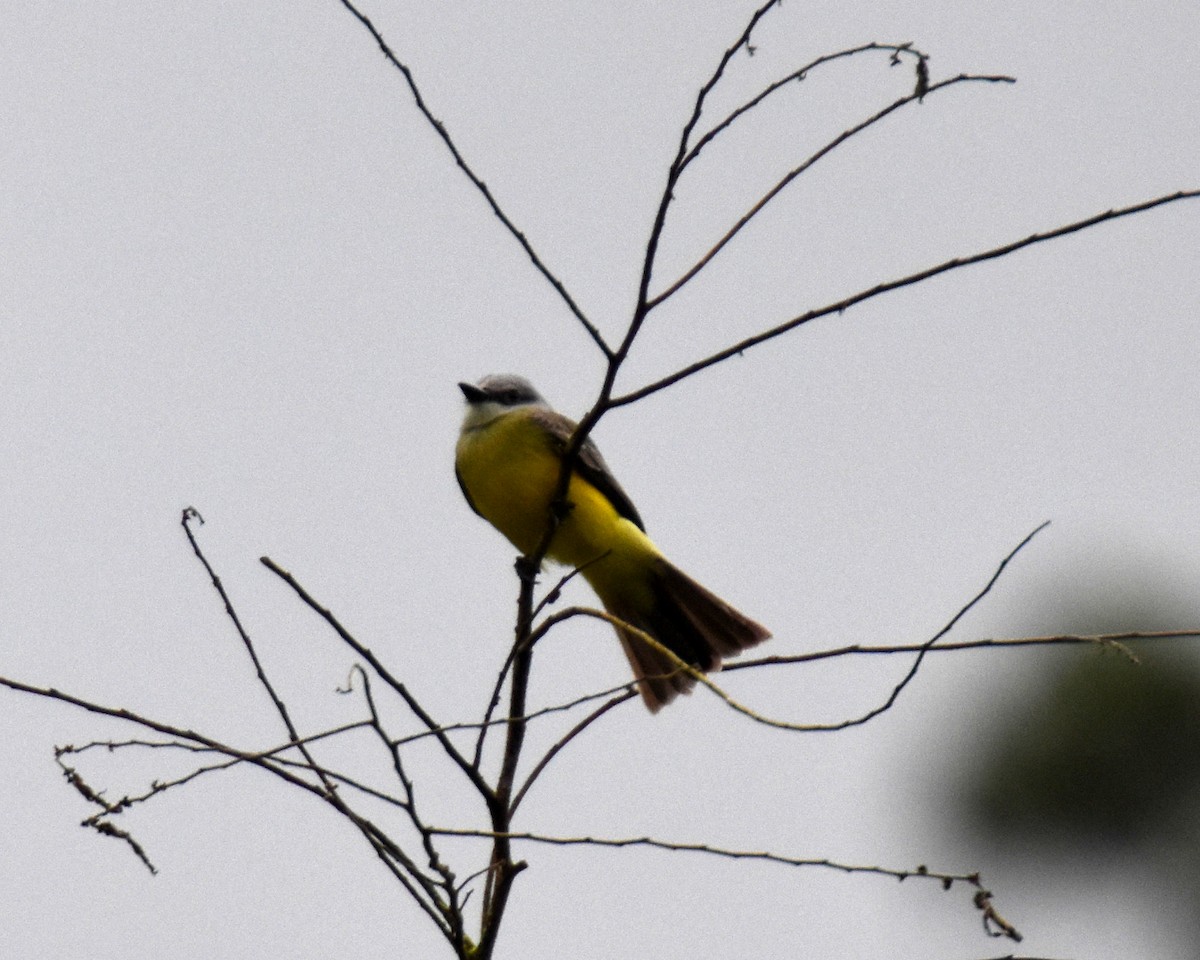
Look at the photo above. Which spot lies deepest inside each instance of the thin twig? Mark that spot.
(681, 666)
(627, 694)
(643, 306)
(190, 513)
(925, 648)
(422, 889)
(504, 868)
(493, 702)
(161, 786)
(110, 829)
(798, 74)
(922, 651)
(742, 42)
(345, 780)
(387, 850)
(98, 821)
(440, 129)
(1116, 641)
(882, 288)
(392, 855)
(726, 852)
(413, 704)
(981, 898)
(531, 715)
(120, 713)
(112, 745)
(554, 593)
(453, 911)
(791, 175)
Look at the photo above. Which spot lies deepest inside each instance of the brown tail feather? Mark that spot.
(690, 621)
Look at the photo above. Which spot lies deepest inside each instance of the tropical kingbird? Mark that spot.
(508, 461)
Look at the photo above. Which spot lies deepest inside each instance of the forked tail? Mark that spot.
(693, 623)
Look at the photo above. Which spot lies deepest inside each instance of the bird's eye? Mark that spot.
(509, 397)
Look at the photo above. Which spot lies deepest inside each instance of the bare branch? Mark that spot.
(433, 726)
(162, 786)
(113, 745)
(396, 862)
(110, 829)
(440, 129)
(504, 868)
(641, 308)
(906, 281)
(922, 650)
(120, 713)
(981, 898)
(628, 694)
(190, 513)
(797, 75)
(531, 715)
(914, 97)
(97, 821)
(493, 703)
(916, 665)
(421, 888)
(1116, 641)
(729, 853)
(453, 908)
(743, 42)
(389, 853)
(484, 726)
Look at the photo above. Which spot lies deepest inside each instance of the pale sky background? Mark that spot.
(237, 271)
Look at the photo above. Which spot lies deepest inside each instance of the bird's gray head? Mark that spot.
(495, 394)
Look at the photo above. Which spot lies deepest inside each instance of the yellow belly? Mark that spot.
(510, 468)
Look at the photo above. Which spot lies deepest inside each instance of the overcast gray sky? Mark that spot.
(237, 271)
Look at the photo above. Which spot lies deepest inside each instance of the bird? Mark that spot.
(508, 461)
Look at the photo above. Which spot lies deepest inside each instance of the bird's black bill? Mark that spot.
(473, 393)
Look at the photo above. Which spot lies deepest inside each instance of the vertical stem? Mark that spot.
(503, 868)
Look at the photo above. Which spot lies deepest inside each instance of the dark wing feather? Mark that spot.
(466, 496)
(590, 464)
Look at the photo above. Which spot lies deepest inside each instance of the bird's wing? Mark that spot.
(590, 464)
(466, 495)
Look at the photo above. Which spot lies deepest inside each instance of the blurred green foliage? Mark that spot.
(1108, 751)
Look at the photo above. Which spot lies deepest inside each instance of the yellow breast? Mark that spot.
(510, 467)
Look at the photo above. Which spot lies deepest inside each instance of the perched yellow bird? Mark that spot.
(508, 460)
